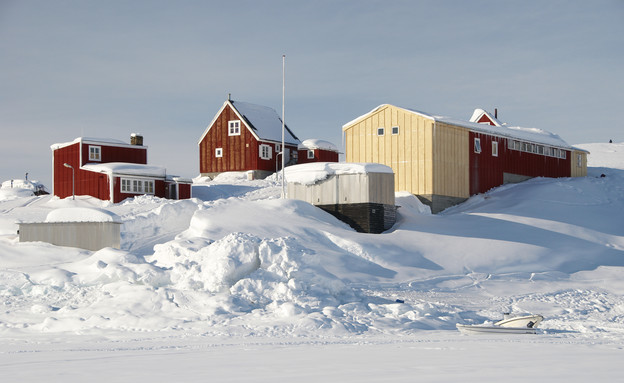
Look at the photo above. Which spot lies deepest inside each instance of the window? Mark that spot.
(219, 152)
(137, 186)
(579, 161)
(149, 187)
(477, 145)
(278, 148)
(94, 153)
(310, 153)
(395, 130)
(540, 149)
(125, 185)
(380, 131)
(562, 154)
(234, 128)
(494, 149)
(265, 152)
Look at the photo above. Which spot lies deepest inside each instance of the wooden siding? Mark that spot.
(86, 183)
(450, 161)
(487, 171)
(320, 155)
(408, 153)
(132, 154)
(576, 170)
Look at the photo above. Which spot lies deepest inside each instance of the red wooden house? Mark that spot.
(245, 137)
(111, 170)
(313, 150)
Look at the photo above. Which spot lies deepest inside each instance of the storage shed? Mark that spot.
(85, 228)
(361, 195)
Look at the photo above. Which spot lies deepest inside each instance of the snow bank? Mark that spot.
(244, 262)
(311, 173)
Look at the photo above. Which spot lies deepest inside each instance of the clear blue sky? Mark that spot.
(164, 68)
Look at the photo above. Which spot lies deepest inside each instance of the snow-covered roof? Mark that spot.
(526, 134)
(313, 172)
(313, 143)
(81, 214)
(125, 168)
(93, 140)
(478, 113)
(263, 122)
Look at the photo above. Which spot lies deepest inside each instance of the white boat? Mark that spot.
(509, 325)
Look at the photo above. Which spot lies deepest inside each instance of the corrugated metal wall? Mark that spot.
(85, 235)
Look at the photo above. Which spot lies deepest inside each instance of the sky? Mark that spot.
(163, 69)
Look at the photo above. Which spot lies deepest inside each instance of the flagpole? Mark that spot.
(283, 123)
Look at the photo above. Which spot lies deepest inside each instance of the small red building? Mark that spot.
(111, 170)
(245, 137)
(313, 150)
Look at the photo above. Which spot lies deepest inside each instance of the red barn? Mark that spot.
(313, 150)
(111, 170)
(245, 137)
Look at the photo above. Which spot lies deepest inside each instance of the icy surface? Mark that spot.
(238, 276)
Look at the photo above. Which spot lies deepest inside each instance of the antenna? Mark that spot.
(283, 123)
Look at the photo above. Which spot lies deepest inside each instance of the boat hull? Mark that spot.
(476, 329)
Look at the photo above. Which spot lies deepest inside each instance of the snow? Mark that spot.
(318, 144)
(310, 173)
(125, 168)
(92, 140)
(238, 284)
(81, 214)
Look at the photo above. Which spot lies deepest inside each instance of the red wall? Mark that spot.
(86, 183)
(487, 171)
(134, 155)
(320, 155)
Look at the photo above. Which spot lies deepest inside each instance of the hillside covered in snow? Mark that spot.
(238, 261)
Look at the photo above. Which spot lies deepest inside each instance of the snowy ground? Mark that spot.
(239, 285)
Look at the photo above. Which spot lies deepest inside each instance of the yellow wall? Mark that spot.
(407, 153)
(427, 157)
(451, 161)
(578, 171)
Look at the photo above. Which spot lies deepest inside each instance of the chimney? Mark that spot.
(496, 113)
(136, 139)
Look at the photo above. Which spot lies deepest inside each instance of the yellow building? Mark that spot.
(444, 161)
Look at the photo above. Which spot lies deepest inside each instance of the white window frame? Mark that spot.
(494, 148)
(95, 153)
(381, 131)
(264, 151)
(579, 160)
(278, 148)
(219, 152)
(562, 154)
(477, 145)
(395, 130)
(310, 154)
(234, 128)
(136, 186)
